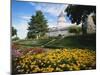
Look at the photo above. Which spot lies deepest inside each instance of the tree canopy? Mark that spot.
(77, 13)
(74, 29)
(14, 31)
(37, 25)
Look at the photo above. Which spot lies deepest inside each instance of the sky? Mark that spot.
(22, 12)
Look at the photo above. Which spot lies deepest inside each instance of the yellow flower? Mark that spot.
(33, 62)
(41, 63)
(54, 56)
(70, 69)
(58, 69)
(68, 65)
(50, 69)
(48, 62)
(63, 65)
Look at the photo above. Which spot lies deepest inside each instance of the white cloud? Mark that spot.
(52, 24)
(26, 18)
(50, 8)
(21, 30)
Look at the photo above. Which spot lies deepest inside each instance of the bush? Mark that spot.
(16, 38)
(74, 29)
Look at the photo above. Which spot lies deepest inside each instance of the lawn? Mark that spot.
(79, 41)
(33, 43)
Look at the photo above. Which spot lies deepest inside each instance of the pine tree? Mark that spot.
(14, 31)
(37, 26)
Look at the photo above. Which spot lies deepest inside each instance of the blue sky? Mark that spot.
(22, 12)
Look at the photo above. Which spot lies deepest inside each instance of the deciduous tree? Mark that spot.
(79, 13)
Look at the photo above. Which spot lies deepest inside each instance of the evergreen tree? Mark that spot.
(37, 26)
(14, 31)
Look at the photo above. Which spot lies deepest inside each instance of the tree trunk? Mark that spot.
(84, 23)
(84, 27)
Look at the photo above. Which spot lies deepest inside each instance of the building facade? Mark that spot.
(61, 27)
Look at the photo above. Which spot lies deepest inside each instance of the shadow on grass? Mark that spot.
(79, 41)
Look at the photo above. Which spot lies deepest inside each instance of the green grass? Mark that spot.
(79, 41)
(33, 43)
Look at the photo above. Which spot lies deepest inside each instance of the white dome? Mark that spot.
(61, 20)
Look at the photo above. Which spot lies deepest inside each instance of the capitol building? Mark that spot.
(61, 27)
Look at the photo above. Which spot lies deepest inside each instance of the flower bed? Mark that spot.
(54, 60)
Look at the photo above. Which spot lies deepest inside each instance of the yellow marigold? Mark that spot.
(68, 65)
(58, 69)
(62, 65)
(42, 63)
(50, 69)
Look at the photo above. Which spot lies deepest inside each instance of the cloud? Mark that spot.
(50, 8)
(21, 30)
(26, 17)
(21, 25)
(52, 24)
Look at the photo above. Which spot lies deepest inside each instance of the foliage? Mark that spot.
(55, 60)
(14, 31)
(74, 29)
(37, 25)
(78, 13)
(15, 38)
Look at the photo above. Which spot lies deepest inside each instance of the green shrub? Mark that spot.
(74, 29)
(16, 38)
